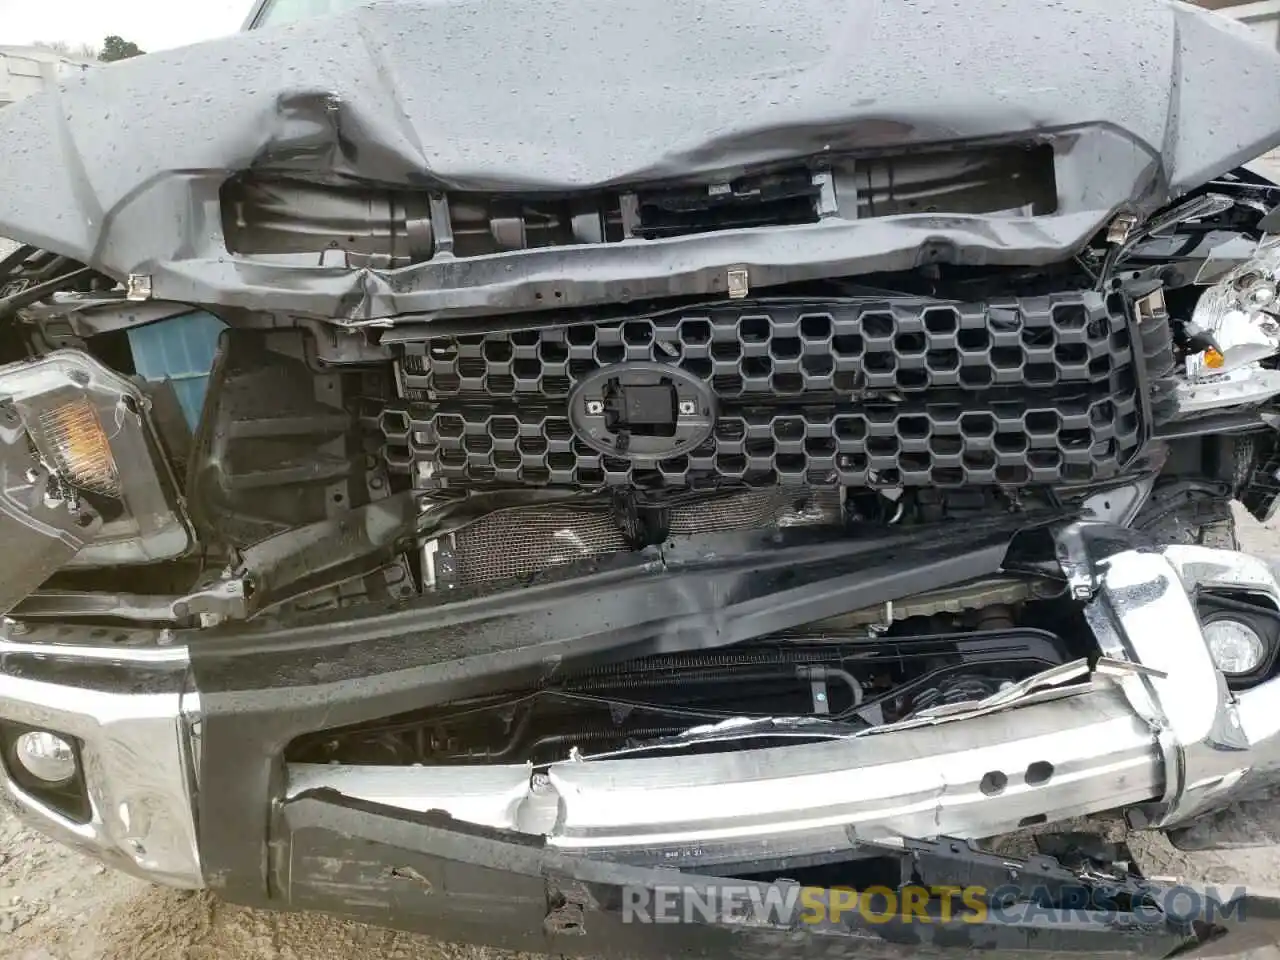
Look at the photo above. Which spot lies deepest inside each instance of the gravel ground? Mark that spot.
(58, 905)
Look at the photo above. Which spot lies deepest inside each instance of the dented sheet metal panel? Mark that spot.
(121, 168)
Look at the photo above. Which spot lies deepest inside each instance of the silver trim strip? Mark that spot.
(132, 655)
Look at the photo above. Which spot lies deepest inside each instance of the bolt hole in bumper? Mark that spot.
(1152, 728)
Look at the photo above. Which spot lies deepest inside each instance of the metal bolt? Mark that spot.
(138, 287)
(595, 407)
(687, 408)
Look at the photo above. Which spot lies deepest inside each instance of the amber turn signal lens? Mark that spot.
(81, 448)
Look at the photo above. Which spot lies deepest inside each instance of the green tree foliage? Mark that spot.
(117, 48)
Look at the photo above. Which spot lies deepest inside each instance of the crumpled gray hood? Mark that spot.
(120, 166)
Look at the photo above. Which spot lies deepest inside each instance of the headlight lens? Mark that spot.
(1236, 647)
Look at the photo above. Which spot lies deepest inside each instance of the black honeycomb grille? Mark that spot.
(903, 392)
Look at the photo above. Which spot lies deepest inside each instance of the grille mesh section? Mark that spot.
(757, 509)
(522, 541)
(905, 392)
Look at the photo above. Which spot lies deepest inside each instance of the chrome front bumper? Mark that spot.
(138, 730)
(1215, 744)
(1153, 730)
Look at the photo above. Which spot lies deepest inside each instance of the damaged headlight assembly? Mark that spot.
(1237, 322)
(82, 482)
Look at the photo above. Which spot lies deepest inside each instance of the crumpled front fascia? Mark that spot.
(120, 166)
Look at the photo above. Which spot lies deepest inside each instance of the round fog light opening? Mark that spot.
(1235, 647)
(46, 756)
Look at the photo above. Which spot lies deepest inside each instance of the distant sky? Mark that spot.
(151, 24)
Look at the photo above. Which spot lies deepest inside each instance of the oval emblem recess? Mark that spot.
(642, 411)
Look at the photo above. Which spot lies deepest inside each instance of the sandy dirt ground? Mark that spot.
(57, 905)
